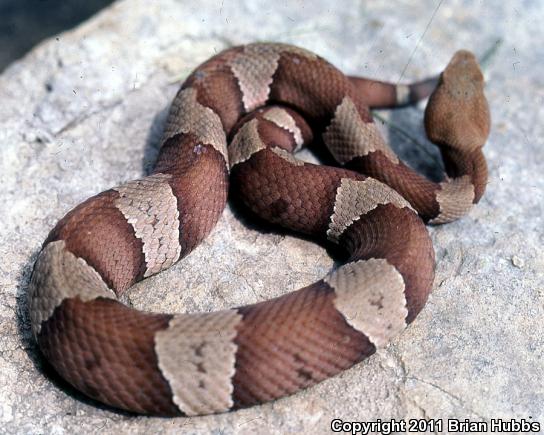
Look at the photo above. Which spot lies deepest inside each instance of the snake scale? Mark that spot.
(237, 120)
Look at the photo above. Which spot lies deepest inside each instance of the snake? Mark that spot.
(233, 129)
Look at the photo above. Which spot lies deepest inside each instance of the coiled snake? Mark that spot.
(245, 112)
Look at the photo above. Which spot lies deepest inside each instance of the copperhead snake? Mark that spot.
(238, 119)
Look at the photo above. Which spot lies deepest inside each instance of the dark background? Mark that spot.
(24, 23)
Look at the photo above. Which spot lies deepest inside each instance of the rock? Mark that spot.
(518, 262)
(83, 112)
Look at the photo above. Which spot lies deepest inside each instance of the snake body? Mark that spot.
(238, 119)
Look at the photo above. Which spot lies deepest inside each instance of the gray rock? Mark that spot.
(83, 111)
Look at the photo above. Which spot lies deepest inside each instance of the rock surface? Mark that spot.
(83, 112)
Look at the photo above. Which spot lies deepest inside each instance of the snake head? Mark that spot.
(457, 114)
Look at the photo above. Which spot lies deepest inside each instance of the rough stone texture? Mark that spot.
(84, 112)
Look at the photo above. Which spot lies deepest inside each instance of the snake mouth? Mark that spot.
(463, 78)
